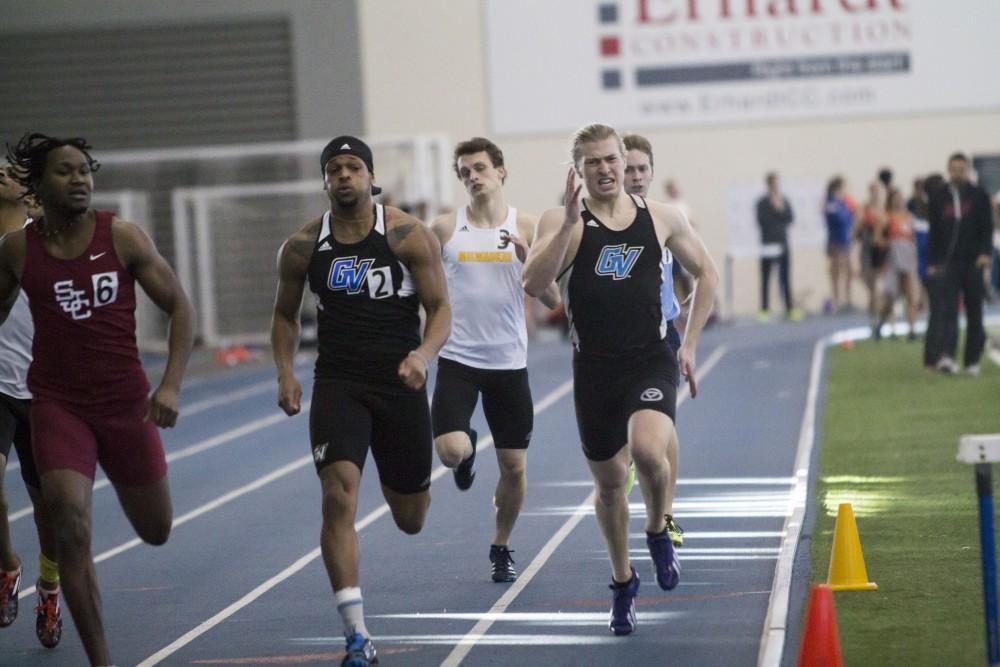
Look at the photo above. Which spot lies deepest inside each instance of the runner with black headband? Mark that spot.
(371, 267)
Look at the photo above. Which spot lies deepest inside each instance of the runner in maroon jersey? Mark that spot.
(78, 268)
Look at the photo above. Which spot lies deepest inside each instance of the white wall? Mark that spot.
(424, 69)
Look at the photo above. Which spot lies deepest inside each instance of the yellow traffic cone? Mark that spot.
(847, 563)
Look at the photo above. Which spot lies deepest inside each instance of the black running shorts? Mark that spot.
(15, 428)
(507, 403)
(347, 418)
(607, 390)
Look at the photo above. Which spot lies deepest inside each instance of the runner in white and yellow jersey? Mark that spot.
(16, 334)
(483, 247)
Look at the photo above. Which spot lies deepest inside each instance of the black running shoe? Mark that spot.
(503, 564)
(466, 470)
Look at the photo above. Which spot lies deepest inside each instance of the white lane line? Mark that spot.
(704, 481)
(720, 535)
(482, 627)
(526, 617)
(269, 386)
(198, 406)
(205, 404)
(772, 640)
(204, 627)
(274, 581)
(460, 652)
(706, 553)
(203, 509)
(197, 448)
(492, 640)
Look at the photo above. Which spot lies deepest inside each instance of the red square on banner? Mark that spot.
(610, 46)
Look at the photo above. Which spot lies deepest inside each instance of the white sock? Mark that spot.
(351, 606)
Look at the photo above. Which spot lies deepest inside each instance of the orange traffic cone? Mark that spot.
(847, 563)
(820, 641)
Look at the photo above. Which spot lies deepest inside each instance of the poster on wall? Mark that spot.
(554, 65)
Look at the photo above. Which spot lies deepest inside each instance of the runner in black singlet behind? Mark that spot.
(607, 255)
(370, 267)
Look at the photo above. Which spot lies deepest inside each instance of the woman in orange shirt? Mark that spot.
(897, 234)
(870, 219)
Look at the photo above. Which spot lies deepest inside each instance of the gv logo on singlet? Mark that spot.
(348, 274)
(617, 261)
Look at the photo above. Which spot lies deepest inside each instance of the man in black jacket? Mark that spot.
(774, 215)
(959, 246)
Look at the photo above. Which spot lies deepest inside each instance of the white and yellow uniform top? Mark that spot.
(487, 299)
(15, 349)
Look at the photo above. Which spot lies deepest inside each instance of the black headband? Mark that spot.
(348, 145)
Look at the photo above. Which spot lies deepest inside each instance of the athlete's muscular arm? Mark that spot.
(556, 243)
(293, 262)
(137, 252)
(527, 227)
(12, 248)
(443, 227)
(689, 249)
(419, 249)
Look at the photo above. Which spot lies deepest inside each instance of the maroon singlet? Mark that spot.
(84, 313)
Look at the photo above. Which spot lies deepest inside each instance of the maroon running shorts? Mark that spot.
(125, 442)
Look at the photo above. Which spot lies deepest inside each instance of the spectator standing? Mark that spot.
(774, 215)
(958, 251)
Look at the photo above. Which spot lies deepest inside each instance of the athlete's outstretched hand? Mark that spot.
(685, 359)
(289, 395)
(413, 370)
(572, 198)
(163, 407)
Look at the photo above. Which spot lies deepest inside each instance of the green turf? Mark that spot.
(889, 438)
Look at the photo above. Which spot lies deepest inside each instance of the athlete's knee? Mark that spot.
(512, 471)
(155, 532)
(451, 448)
(649, 460)
(648, 448)
(339, 504)
(409, 516)
(410, 522)
(610, 489)
(71, 525)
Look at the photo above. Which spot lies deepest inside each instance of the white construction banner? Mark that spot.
(554, 65)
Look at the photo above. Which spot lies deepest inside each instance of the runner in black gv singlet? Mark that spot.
(371, 373)
(622, 361)
(624, 371)
(368, 321)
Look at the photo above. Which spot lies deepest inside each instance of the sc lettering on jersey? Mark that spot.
(352, 275)
(617, 261)
(74, 302)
